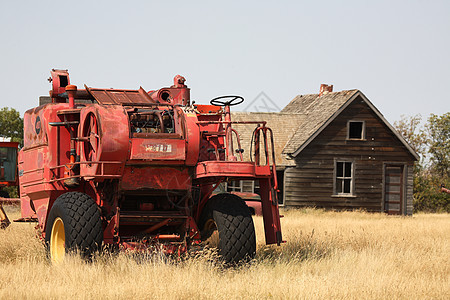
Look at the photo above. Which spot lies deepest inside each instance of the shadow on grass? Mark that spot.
(299, 248)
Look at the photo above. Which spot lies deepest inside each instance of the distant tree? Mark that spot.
(409, 128)
(11, 124)
(431, 142)
(416, 136)
(438, 128)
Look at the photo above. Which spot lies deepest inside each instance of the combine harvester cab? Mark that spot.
(135, 168)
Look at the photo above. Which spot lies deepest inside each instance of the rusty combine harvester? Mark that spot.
(135, 168)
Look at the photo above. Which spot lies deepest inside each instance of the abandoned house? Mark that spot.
(335, 150)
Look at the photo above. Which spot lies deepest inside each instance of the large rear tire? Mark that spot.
(231, 217)
(73, 224)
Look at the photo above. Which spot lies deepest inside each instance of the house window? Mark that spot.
(356, 130)
(234, 186)
(343, 181)
(244, 186)
(248, 186)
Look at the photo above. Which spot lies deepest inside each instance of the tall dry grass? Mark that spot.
(332, 255)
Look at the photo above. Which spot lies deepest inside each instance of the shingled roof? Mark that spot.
(283, 125)
(319, 111)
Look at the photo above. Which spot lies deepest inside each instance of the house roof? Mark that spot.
(317, 110)
(283, 125)
(321, 111)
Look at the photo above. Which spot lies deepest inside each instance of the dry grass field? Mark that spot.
(329, 255)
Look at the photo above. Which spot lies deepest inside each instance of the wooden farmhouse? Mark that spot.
(335, 150)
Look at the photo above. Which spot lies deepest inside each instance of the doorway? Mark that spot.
(393, 189)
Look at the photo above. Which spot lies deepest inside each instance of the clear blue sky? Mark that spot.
(395, 52)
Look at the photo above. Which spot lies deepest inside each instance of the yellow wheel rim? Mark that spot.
(210, 224)
(57, 241)
(213, 240)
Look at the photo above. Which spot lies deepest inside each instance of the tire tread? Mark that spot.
(237, 239)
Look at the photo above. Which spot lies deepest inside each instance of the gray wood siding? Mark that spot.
(310, 183)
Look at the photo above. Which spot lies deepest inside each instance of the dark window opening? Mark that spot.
(8, 163)
(280, 179)
(63, 82)
(355, 130)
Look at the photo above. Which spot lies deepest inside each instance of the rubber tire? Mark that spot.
(234, 222)
(82, 224)
(4, 194)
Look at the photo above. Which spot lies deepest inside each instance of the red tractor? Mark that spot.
(133, 168)
(8, 175)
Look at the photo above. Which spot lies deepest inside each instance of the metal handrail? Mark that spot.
(54, 173)
(256, 141)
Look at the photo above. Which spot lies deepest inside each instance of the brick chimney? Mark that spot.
(325, 89)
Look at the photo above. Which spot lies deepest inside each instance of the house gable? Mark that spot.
(379, 140)
(321, 111)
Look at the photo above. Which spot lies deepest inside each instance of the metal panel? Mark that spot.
(158, 149)
(158, 177)
(120, 97)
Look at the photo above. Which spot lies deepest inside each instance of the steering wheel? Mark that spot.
(220, 101)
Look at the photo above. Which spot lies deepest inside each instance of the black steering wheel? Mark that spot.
(220, 101)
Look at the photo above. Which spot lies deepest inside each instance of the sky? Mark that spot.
(396, 52)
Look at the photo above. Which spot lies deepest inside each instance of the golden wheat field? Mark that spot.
(328, 255)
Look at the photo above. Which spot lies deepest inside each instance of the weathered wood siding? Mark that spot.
(310, 183)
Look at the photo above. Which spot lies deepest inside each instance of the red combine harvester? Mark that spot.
(135, 168)
(8, 176)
